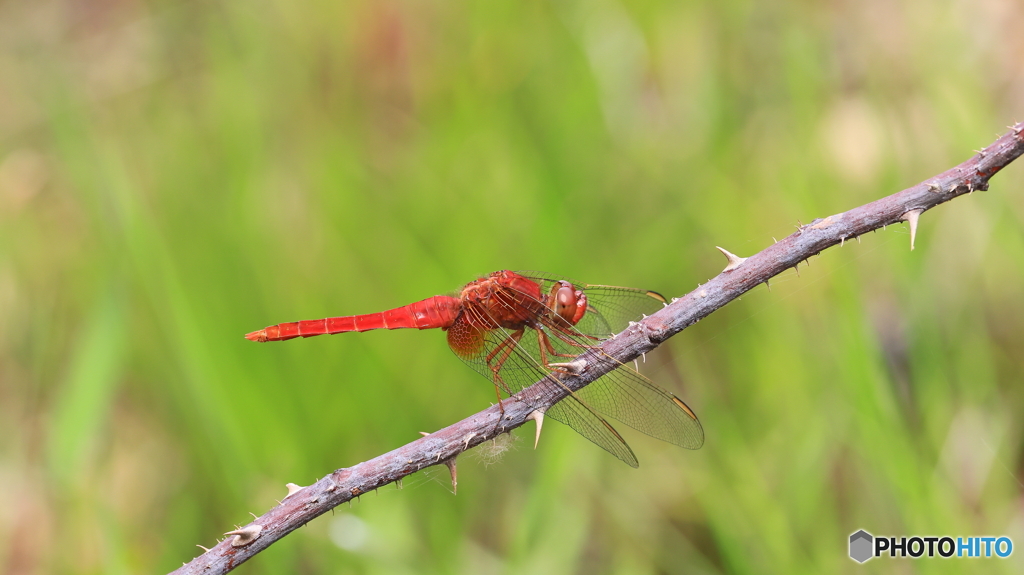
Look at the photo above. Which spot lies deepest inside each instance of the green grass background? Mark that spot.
(176, 174)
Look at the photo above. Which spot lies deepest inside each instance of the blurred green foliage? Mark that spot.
(176, 174)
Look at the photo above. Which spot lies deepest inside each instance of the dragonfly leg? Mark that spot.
(561, 330)
(545, 347)
(544, 343)
(502, 352)
(564, 336)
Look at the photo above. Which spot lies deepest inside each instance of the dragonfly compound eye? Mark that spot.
(569, 303)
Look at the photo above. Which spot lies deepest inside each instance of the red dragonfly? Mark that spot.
(509, 326)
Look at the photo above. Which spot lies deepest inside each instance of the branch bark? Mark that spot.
(442, 447)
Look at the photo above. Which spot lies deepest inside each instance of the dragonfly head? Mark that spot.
(567, 301)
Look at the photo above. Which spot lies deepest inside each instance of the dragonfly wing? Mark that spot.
(610, 308)
(495, 354)
(520, 368)
(627, 396)
(514, 360)
(572, 412)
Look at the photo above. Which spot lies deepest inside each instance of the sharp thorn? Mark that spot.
(842, 241)
(293, 489)
(424, 433)
(254, 518)
(858, 239)
(245, 536)
(768, 285)
(455, 475)
(911, 217)
(797, 268)
(538, 416)
(205, 550)
(574, 367)
(774, 240)
(734, 260)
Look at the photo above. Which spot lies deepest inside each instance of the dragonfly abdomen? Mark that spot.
(433, 312)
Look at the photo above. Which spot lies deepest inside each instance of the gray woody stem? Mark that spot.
(741, 275)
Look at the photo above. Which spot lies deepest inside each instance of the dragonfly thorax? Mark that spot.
(502, 299)
(511, 301)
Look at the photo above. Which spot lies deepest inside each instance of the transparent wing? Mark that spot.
(627, 396)
(581, 418)
(519, 369)
(610, 308)
(517, 359)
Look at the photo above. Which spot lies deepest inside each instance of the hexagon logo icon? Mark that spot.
(861, 544)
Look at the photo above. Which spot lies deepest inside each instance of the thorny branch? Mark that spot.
(301, 505)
